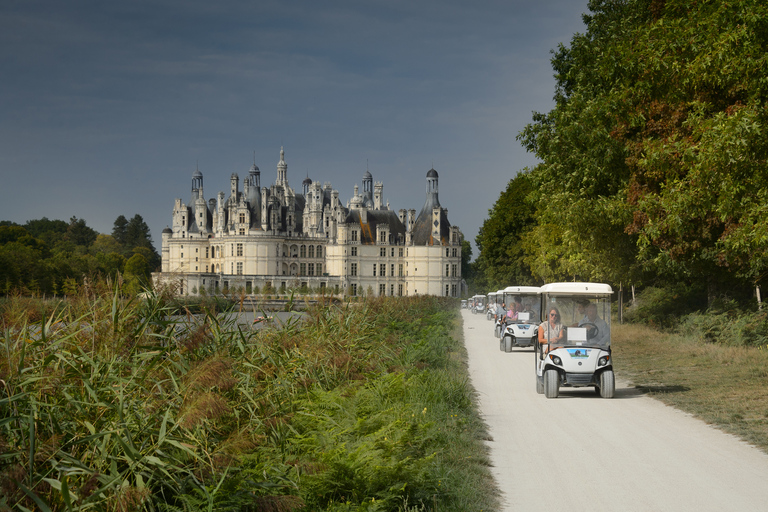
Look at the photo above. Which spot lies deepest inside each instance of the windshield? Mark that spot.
(583, 320)
(524, 306)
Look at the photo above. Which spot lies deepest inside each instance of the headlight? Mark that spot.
(603, 360)
(556, 360)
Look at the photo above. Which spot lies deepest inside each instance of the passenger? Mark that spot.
(551, 330)
(597, 329)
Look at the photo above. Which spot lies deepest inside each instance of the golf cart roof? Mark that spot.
(500, 292)
(577, 289)
(522, 289)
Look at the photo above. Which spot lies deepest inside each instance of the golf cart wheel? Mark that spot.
(497, 332)
(501, 344)
(551, 383)
(607, 384)
(507, 343)
(540, 385)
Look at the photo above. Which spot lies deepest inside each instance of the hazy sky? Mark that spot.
(107, 108)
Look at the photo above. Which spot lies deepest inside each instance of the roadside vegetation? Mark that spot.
(712, 363)
(112, 405)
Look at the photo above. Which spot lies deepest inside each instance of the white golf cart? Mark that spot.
(478, 304)
(574, 349)
(490, 309)
(521, 330)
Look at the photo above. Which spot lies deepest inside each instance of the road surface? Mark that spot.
(580, 452)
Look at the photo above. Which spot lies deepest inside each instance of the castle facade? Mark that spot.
(261, 238)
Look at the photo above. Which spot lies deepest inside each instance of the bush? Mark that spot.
(664, 306)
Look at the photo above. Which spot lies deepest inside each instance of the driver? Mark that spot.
(597, 329)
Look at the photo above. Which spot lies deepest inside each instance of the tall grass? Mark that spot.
(115, 405)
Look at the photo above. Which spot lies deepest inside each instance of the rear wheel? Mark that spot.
(551, 383)
(607, 384)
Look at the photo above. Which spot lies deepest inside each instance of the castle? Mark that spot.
(259, 238)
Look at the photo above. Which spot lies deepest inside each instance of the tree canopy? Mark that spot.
(653, 160)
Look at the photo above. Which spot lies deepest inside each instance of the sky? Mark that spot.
(108, 108)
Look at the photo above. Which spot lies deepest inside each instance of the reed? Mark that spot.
(116, 405)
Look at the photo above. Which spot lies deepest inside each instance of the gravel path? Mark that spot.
(580, 452)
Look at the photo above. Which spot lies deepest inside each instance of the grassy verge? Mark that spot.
(725, 386)
(109, 405)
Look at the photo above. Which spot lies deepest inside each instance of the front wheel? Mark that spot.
(551, 383)
(540, 385)
(507, 343)
(607, 384)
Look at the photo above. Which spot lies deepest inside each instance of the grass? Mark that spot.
(108, 404)
(726, 386)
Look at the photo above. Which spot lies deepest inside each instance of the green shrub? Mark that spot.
(664, 306)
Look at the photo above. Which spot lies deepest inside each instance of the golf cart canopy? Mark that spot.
(588, 289)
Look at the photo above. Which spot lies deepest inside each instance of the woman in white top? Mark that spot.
(551, 330)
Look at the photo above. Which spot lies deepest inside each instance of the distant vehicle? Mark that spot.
(478, 304)
(520, 331)
(463, 304)
(581, 355)
(490, 307)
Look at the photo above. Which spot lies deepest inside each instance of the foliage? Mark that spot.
(664, 306)
(654, 159)
(51, 257)
(501, 261)
(108, 404)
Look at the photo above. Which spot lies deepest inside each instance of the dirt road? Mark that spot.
(581, 452)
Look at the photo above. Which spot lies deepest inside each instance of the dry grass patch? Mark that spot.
(724, 386)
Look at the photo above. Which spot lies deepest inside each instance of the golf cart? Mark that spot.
(521, 330)
(574, 349)
(478, 304)
(491, 307)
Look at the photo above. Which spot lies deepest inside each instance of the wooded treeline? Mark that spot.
(653, 160)
(53, 257)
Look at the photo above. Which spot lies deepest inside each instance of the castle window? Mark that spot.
(310, 269)
(392, 254)
(231, 249)
(241, 231)
(383, 269)
(311, 252)
(242, 218)
(353, 269)
(239, 268)
(400, 290)
(382, 252)
(302, 269)
(353, 251)
(382, 289)
(206, 252)
(354, 235)
(454, 270)
(447, 268)
(400, 271)
(353, 289)
(303, 251)
(392, 290)
(446, 290)
(374, 270)
(239, 249)
(400, 252)
(319, 269)
(454, 254)
(447, 252)
(392, 270)
(319, 251)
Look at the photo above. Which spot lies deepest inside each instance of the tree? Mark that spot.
(79, 233)
(501, 262)
(120, 230)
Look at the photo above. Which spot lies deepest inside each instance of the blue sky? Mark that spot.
(107, 108)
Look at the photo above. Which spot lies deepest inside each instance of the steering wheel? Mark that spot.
(592, 330)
